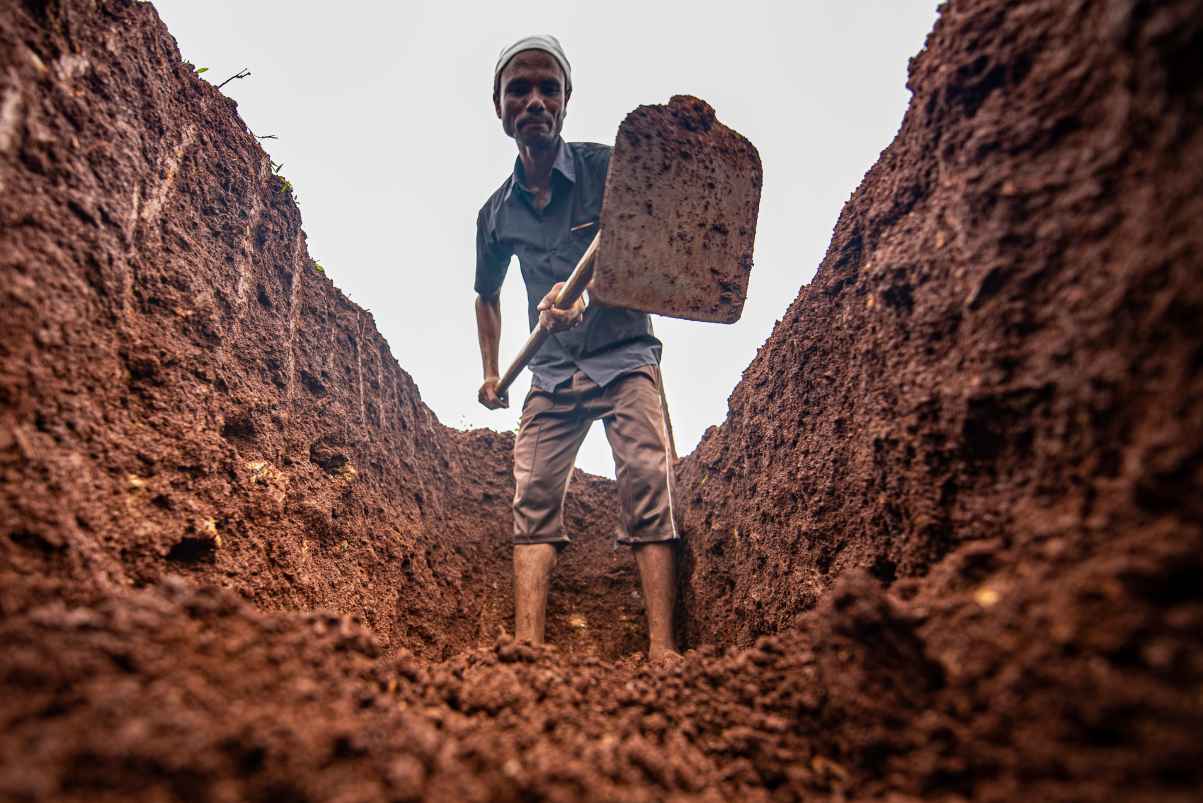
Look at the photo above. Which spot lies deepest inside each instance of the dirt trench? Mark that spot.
(946, 545)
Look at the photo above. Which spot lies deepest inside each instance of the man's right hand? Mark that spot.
(489, 396)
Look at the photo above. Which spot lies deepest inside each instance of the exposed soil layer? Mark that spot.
(948, 544)
(991, 399)
(184, 392)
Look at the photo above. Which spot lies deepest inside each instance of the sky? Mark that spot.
(385, 126)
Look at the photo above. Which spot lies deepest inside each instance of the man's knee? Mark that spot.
(539, 515)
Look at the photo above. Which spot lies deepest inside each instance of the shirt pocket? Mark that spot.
(577, 240)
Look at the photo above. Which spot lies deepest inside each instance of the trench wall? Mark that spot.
(1000, 352)
(182, 389)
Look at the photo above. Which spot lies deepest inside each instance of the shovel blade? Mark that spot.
(679, 217)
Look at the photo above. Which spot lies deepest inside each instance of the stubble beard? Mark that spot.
(541, 140)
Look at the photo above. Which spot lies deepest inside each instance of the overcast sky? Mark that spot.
(387, 131)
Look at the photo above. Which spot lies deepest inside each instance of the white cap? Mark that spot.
(545, 42)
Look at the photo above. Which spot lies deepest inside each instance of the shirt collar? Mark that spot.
(562, 164)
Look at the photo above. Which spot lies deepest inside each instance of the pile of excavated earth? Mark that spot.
(948, 544)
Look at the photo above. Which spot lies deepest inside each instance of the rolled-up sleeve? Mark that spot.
(492, 260)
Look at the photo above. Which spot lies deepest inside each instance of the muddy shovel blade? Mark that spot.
(679, 218)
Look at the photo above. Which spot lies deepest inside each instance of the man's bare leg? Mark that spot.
(532, 577)
(657, 575)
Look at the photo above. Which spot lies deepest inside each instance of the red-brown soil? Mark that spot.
(185, 393)
(946, 546)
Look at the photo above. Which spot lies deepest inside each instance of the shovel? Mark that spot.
(677, 223)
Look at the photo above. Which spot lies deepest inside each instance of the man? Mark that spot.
(600, 362)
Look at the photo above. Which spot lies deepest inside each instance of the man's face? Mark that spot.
(532, 100)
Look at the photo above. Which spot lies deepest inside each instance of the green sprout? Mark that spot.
(285, 184)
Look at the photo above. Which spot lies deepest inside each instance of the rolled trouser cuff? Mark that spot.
(558, 540)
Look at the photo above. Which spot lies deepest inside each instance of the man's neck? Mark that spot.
(537, 163)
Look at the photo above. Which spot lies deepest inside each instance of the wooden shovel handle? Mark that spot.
(569, 293)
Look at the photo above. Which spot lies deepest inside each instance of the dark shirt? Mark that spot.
(611, 341)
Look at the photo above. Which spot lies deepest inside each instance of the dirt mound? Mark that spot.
(950, 531)
(191, 694)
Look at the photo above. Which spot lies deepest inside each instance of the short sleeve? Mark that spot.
(492, 260)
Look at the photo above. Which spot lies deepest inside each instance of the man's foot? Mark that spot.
(657, 655)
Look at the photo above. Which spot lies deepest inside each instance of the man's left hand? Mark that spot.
(557, 320)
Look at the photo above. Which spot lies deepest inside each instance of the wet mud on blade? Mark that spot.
(679, 219)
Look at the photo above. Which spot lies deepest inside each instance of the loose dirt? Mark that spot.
(946, 546)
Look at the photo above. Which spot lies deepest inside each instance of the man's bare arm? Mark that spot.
(488, 332)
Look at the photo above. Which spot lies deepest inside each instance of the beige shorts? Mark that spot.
(551, 431)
